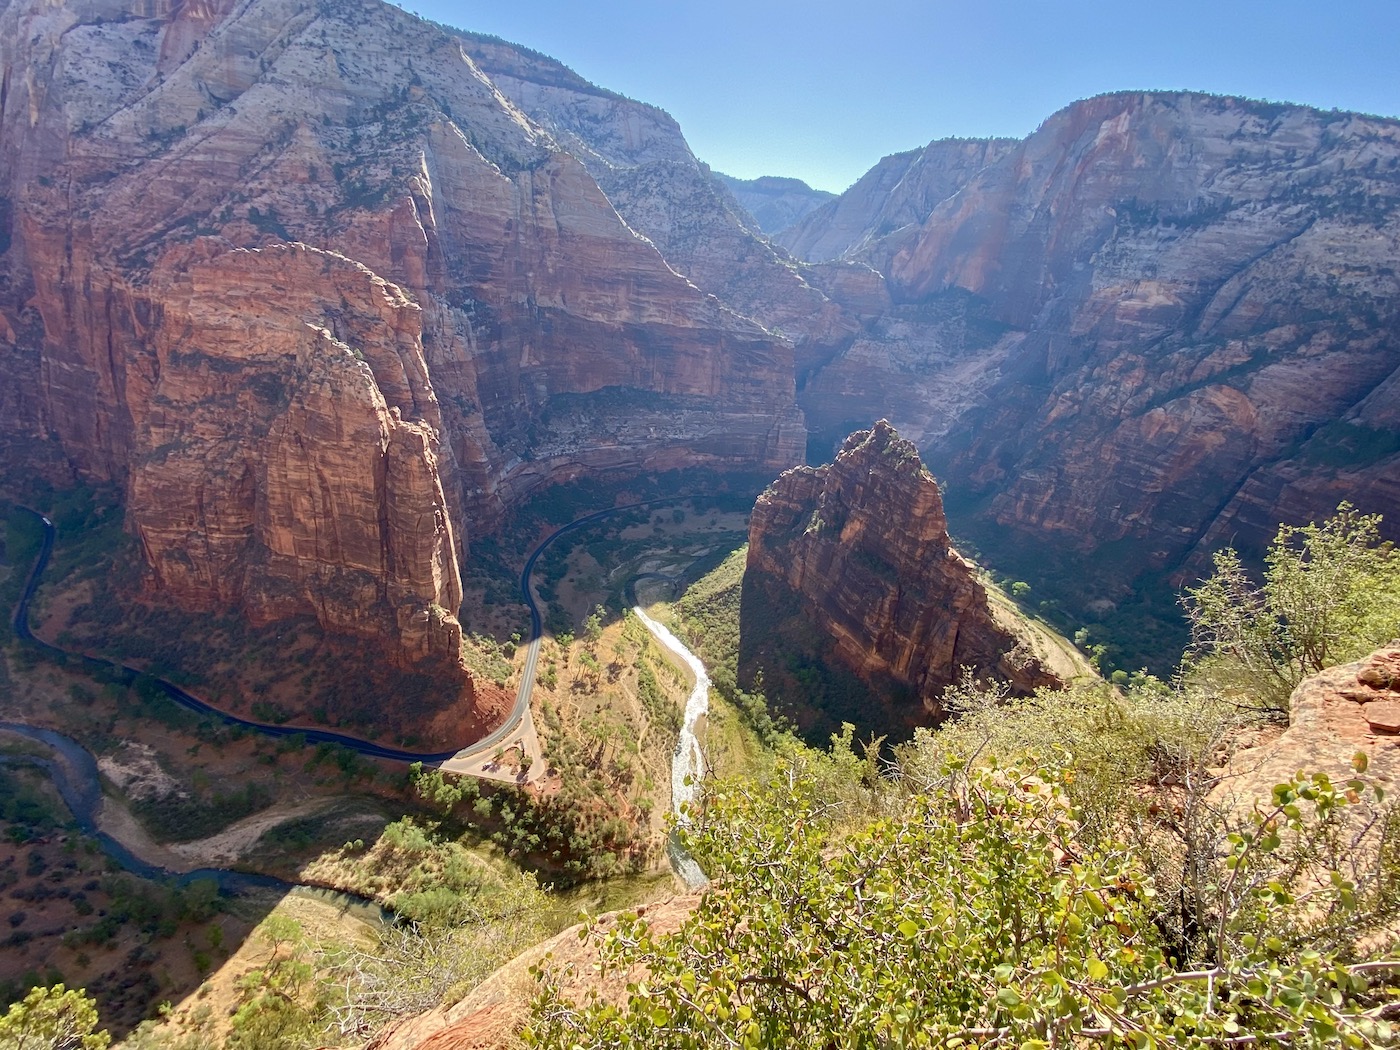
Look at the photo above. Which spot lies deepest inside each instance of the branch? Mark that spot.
(1176, 978)
(1371, 967)
(776, 982)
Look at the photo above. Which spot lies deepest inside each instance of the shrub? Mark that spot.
(981, 913)
(1331, 593)
(53, 1017)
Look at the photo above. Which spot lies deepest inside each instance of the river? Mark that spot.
(83, 792)
(73, 771)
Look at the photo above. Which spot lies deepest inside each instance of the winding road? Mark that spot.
(76, 773)
(518, 729)
(187, 700)
(473, 759)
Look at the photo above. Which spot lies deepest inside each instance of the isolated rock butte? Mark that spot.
(1164, 321)
(323, 302)
(864, 543)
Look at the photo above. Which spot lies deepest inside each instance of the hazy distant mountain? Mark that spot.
(775, 202)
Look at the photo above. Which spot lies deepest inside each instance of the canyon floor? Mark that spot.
(184, 793)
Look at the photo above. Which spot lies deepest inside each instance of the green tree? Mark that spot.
(53, 1019)
(283, 1005)
(1330, 594)
(593, 625)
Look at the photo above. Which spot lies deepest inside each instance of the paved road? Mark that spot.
(517, 725)
(187, 700)
(472, 758)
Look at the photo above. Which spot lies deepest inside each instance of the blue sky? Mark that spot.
(821, 90)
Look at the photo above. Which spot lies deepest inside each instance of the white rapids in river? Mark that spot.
(687, 765)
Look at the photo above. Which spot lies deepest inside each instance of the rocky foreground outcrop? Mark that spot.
(1332, 715)
(862, 546)
(1161, 323)
(322, 301)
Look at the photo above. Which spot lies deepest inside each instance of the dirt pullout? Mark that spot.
(216, 851)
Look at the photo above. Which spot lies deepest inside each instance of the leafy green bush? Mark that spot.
(979, 913)
(54, 1017)
(1331, 593)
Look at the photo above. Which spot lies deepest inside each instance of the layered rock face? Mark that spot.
(899, 192)
(322, 300)
(1160, 323)
(863, 545)
(287, 469)
(640, 159)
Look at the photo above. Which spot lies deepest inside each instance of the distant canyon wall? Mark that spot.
(1161, 323)
(325, 289)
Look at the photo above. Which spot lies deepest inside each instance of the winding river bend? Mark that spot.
(75, 774)
(73, 771)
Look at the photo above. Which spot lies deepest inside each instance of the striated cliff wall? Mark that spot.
(640, 159)
(899, 192)
(1160, 323)
(863, 545)
(324, 302)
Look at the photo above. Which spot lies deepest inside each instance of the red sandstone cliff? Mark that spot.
(1161, 323)
(323, 301)
(641, 160)
(863, 545)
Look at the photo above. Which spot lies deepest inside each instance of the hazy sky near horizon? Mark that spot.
(821, 90)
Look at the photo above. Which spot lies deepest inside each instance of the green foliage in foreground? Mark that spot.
(1116, 896)
(1331, 594)
(979, 912)
(54, 1018)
